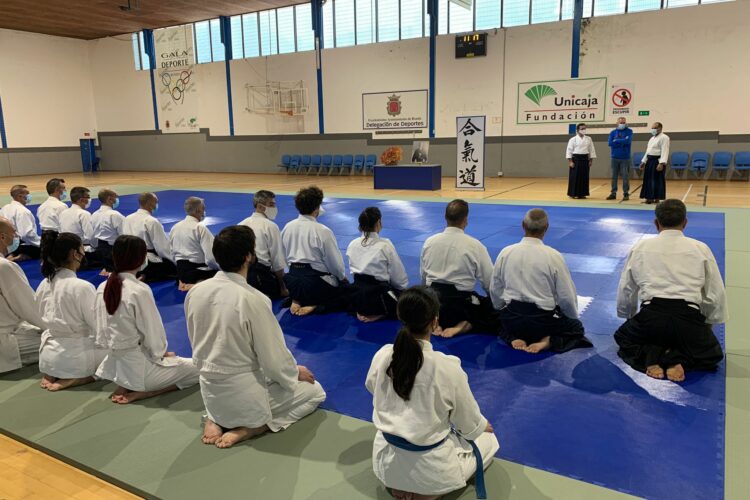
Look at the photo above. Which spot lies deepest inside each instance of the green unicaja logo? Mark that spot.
(538, 92)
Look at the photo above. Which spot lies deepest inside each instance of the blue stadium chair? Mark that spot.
(295, 163)
(359, 163)
(305, 163)
(637, 159)
(325, 163)
(742, 162)
(699, 163)
(679, 161)
(370, 162)
(338, 160)
(286, 161)
(722, 162)
(315, 162)
(348, 162)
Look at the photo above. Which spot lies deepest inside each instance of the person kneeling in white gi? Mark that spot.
(431, 434)
(249, 380)
(128, 323)
(19, 318)
(68, 355)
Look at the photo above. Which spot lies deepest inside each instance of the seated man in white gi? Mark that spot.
(451, 264)
(532, 287)
(108, 225)
(143, 224)
(317, 277)
(249, 380)
(267, 274)
(191, 244)
(77, 220)
(20, 332)
(49, 212)
(24, 223)
(678, 285)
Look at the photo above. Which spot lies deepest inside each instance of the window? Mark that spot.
(268, 42)
(217, 48)
(460, 19)
(609, 7)
(365, 21)
(136, 51)
(285, 19)
(568, 6)
(202, 42)
(305, 35)
(411, 19)
(328, 41)
(442, 18)
(388, 29)
(515, 12)
(235, 26)
(250, 35)
(487, 14)
(344, 14)
(680, 3)
(545, 11)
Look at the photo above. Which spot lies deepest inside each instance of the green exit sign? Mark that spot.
(644, 113)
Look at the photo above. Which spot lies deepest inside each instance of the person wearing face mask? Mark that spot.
(77, 220)
(49, 212)
(317, 277)
(20, 334)
(250, 382)
(654, 166)
(24, 222)
(580, 154)
(159, 266)
(68, 355)
(619, 141)
(108, 225)
(191, 244)
(128, 322)
(267, 273)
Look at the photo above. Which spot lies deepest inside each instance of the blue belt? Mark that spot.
(403, 444)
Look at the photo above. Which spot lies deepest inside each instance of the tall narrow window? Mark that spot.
(217, 48)
(488, 14)
(515, 12)
(460, 19)
(202, 42)
(136, 51)
(545, 11)
(344, 10)
(411, 19)
(365, 21)
(285, 18)
(267, 23)
(387, 20)
(235, 26)
(305, 34)
(328, 41)
(250, 35)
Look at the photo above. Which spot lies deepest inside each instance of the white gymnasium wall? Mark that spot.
(122, 95)
(45, 84)
(213, 112)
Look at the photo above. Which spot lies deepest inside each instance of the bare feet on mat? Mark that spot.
(294, 308)
(104, 273)
(239, 434)
(132, 396)
(369, 319)
(211, 432)
(676, 373)
(655, 371)
(118, 392)
(184, 287)
(460, 328)
(519, 344)
(304, 311)
(46, 381)
(62, 384)
(538, 347)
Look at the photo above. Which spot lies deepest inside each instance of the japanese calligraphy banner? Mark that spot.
(470, 152)
(175, 79)
(562, 101)
(406, 109)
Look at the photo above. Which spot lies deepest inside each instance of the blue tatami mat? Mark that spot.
(583, 414)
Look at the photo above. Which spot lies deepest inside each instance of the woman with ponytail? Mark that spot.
(431, 434)
(68, 355)
(129, 324)
(379, 274)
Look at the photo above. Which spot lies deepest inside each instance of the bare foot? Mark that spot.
(519, 344)
(405, 495)
(62, 384)
(234, 436)
(304, 311)
(676, 373)
(211, 432)
(294, 308)
(46, 381)
(120, 391)
(538, 347)
(369, 319)
(132, 396)
(104, 273)
(655, 371)
(460, 328)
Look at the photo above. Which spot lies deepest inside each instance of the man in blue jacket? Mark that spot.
(619, 143)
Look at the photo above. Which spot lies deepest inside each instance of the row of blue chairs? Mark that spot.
(328, 163)
(700, 161)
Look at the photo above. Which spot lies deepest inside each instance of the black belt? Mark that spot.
(104, 242)
(367, 279)
(307, 267)
(670, 302)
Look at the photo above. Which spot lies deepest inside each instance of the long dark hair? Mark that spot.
(368, 219)
(128, 253)
(56, 250)
(417, 309)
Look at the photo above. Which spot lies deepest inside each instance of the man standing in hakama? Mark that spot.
(654, 166)
(580, 154)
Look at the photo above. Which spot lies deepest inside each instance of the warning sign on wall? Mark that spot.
(621, 99)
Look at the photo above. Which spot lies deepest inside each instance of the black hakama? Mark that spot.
(191, 273)
(525, 321)
(308, 287)
(373, 297)
(654, 181)
(158, 271)
(457, 306)
(264, 280)
(578, 177)
(104, 254)
(30, 251)
(667, 332)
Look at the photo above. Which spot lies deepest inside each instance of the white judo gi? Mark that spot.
(135, 334)
(248, 377)
(19, 319)
(441, 398)
(66, 305)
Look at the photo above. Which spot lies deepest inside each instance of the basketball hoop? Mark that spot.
(279, 98)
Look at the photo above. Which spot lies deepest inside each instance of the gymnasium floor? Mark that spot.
(583, 415)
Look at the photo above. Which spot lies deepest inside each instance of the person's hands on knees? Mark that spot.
(305, 375)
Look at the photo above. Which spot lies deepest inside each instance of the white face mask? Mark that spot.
(88, 204)
(321, 211)
(14, 245)
(143, 266)
(271, 212)
(654, 131)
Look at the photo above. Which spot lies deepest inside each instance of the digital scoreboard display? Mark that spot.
(471, 45)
